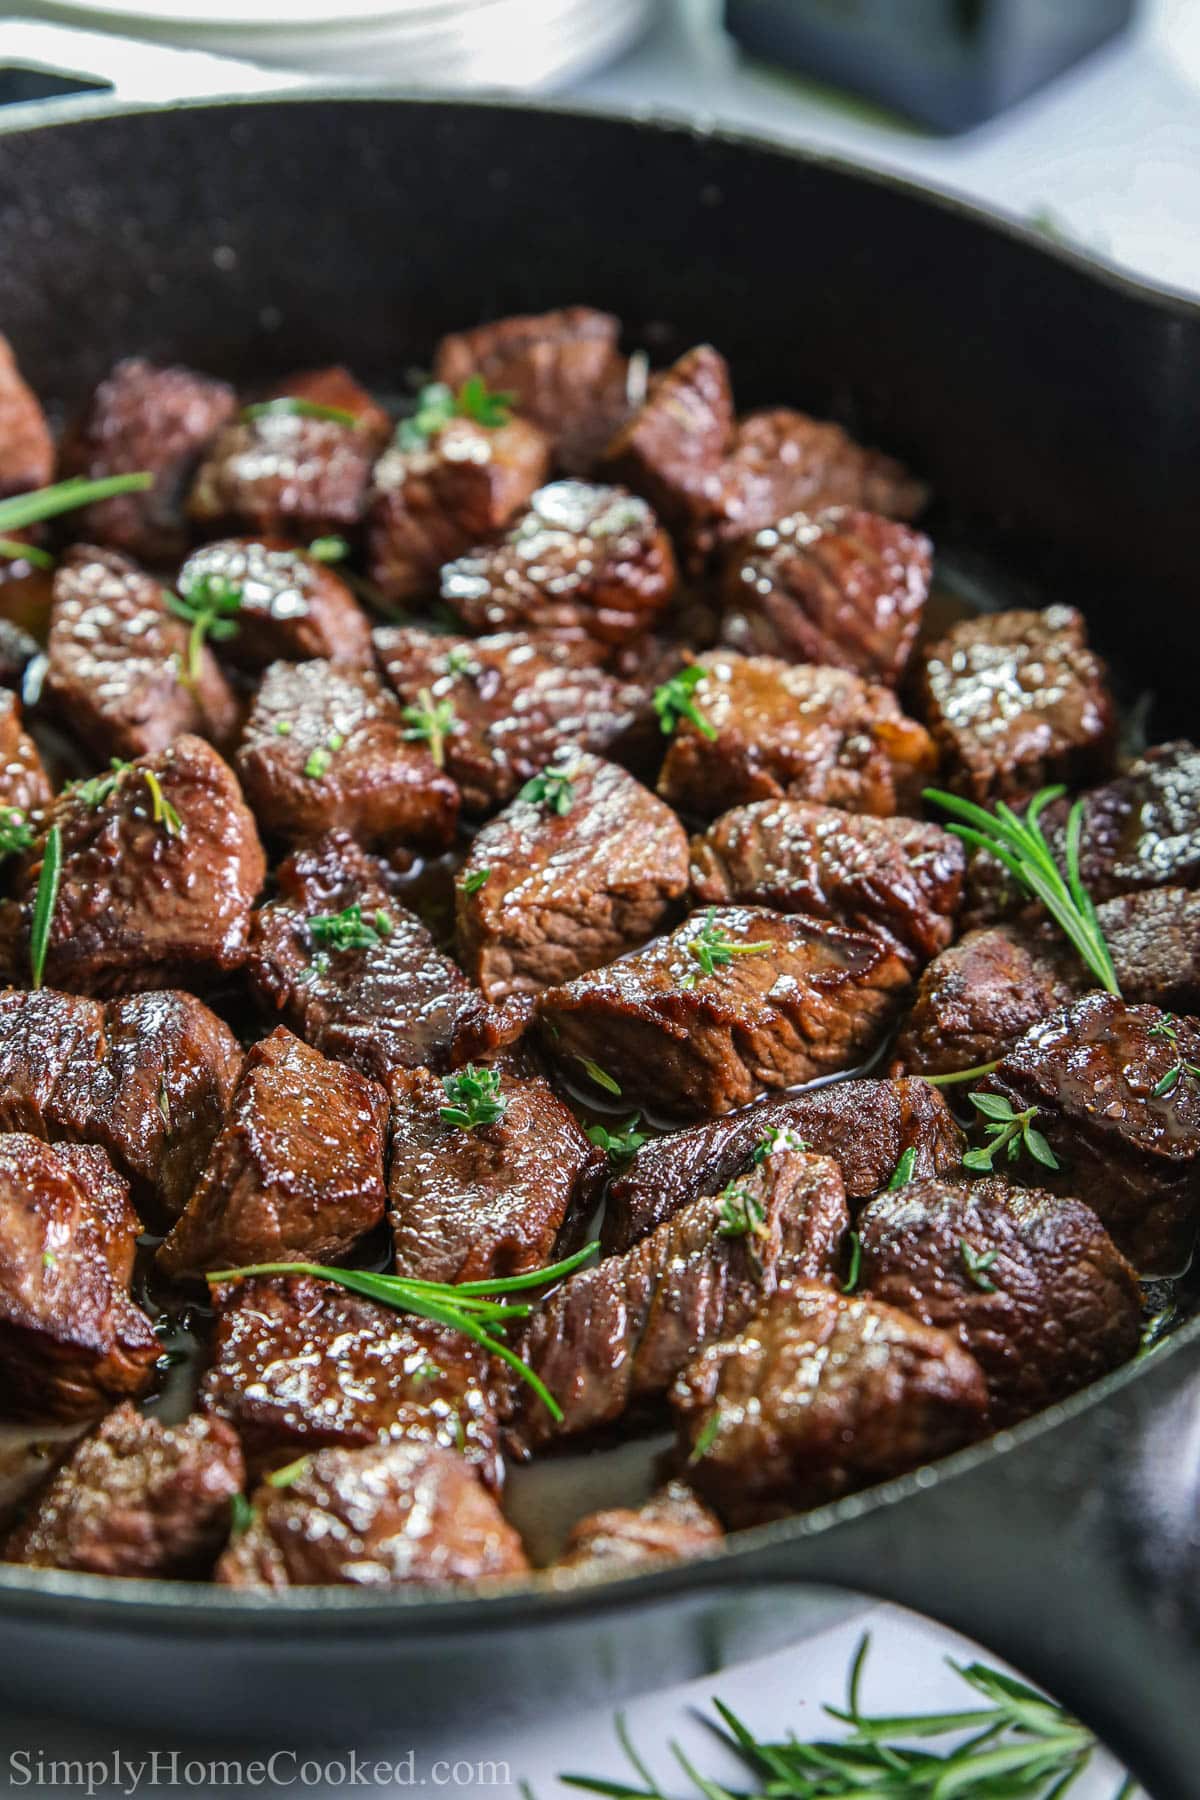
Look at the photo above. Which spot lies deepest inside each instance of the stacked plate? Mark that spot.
(523, 44)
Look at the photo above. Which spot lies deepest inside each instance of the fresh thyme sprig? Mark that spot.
(777, 1138)
(1015, 1744)
(210, 604)
(619, 1145)
(437, 404)
(430, 722)
(554, 789)
(44, 903)
(1010, 1131)
(1181, 1068)
(473, 1098)
(712, 949)
(21, 510)
(675, 700)
(479, 1309)
(740, 1214)
(16, 833)
(292, 406)
(348, 930)
(1020, 844)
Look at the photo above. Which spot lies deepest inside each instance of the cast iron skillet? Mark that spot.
(1056, 409)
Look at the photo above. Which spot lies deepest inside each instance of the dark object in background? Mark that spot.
(949, 63)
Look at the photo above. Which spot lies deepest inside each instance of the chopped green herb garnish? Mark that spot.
(778, 1138)
(957, 1075)
(553, 788)
(13, 550)
(21, 510)
(474, 1098)
(241, 1515)
(329, 549)
(437, 404)
(470, 1307)
(675, 700)
(707, 1436)
(600, 1076)
(1181, 1069)
(49, 1260)
(712, 948)
(348, 930)
(619, 1145)
(740, 1214)
(162, 812)
(475, 880)
(44, 903)
(977, 1265)
(289, 1474)
(317, 967)
(460, 661)
(1010, 1131)
(16, 833)
(902, 1174)
(283, 728)
(96, 790)
(851, 1281)
(210, 604)
(425, 1371)
(291, 406)
(430, 722)
(319, 760)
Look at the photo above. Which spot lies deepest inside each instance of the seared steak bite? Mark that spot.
(583, 559)
(673, 446)
(898, 877)
(299, 1364)
(822, 1393)
(136, 1498)
(616, 1334)
(866, 1126)
(429, 504)
(70, 1336)
(285, 474)
(389, 999)
(735, 1000)
(1031, 1285)
(26, 447)
(24, 784)
(121, 672)
(562, 883)
(144, 416)
(514, 701)
(1154, 938)
(469, 1202)
(563, 370)
(1015, 700)
(841, 587)
(978, 997)
(774, 730)
(326, 745)
(290, 605)
(1117, 1097)
(145, 901)
(672, 1526)
(297, 1170)
(385, 1516)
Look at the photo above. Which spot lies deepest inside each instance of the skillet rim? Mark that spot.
(49, 1595)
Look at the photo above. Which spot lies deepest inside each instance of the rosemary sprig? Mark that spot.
(1020, 844)
(957, 1075)
(13, 550)
(619, 1145)
(473, 1098)
(291, 406)
(902, 1174)
(475, 880)
(470, 1306)
(16, 833)
(430, 722)
(1010, 1131)
(712, 949)
(21, 510)
(44, 903)
(348, 930)
(437, 404)
(600, 1076)
(1014, 1744)
(210, 604)
(675, 700)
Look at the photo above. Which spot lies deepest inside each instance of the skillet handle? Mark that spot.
(1075, 1555)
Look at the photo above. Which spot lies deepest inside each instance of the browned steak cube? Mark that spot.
(428, 505)
(70, 1336)
(290, 605)
(1139, 831)
(136, 1498)
(326, 745)
(978, 997)
(144, 416)
(514, 701)
(1031, 1285)
(841, 587)
(145, 901)
(26, 447)
(775, 730)
(821, 1394)
(391, 1001)
(1154, 939)
(866, 1126)
(296, 1172)
(119, 661)
(1015, 700)
(898, 877)
(488, 1200)
(617, 1334)
(583, 560)
(562, 883)
(673, 448)
(389, 1515)
(286, 474)
(735, 1000)
(672, 1526)
(1116, 1093)
(563, 370)
(299, 1364)
(24, 784)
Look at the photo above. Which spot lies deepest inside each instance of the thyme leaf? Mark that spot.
(437, 404)
(553, 788)
(348, 930)
(675, 700)
(210, 604)
(1007, 1131)
(619, 1145)
(430, 722)
(474, 1098)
